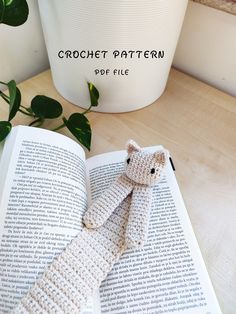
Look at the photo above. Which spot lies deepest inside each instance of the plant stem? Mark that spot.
(59, 127)
(35, 121)
(1, 93)
(26, 113)
(5, 97)
(87, 110)
(24, 107)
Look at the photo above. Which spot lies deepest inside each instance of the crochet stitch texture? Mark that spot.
(117, 220)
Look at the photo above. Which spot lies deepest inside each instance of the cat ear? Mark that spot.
(160, 158)
(132, 147)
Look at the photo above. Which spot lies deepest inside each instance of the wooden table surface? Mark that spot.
(197, 123)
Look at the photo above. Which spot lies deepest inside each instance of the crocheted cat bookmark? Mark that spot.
(117, 220)
(142, 171)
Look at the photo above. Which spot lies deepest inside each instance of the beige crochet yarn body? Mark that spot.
(117, 220)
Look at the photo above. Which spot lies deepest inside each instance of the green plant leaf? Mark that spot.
(15, 105)
(79, 126)
(94, 94)
(8, 2)
(5, 129)
(13, 12)
(14, 98)
(1, 10)
(12, 92)
(11, 85)
(46, 107)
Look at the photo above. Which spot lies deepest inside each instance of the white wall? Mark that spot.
(207, 46)
(22, 49)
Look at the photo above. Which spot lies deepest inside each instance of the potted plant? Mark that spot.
(125, 47)
(42, 108)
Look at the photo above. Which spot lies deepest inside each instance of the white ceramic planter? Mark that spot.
(82, 26)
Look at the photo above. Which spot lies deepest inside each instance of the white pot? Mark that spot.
(105, 25)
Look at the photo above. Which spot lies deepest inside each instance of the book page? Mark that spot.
(168, 275)
(42, 199)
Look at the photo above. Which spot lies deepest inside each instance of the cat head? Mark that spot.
(144, 167)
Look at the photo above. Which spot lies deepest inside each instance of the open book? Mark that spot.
(46, 185)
